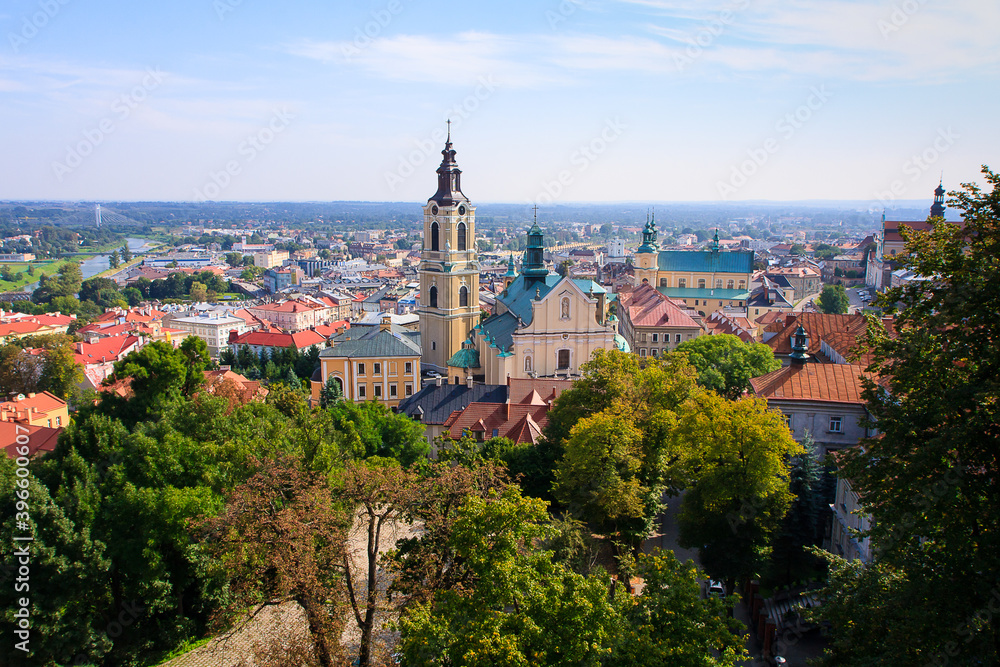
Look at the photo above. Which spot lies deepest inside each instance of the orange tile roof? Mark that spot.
(837, 383)
(41, 403)
(819, 326)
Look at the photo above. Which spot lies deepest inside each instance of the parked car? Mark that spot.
(716, 589)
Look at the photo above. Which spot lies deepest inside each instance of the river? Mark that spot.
(100, 263)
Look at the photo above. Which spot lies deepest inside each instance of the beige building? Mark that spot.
(270, 259)
(379, 365)
(449, 268)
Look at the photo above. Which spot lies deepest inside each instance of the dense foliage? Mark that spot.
(929, 479)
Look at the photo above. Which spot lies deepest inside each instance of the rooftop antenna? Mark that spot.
(97, 215)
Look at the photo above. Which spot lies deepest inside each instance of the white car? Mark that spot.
(716, 589)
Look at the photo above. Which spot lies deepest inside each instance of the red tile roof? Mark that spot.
(41, 439)
(522, 423)
(103, 350)
(837, 383)
(301, 339)
(646, 307)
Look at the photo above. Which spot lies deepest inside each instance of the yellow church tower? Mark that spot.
(647, 255)
(449, 268)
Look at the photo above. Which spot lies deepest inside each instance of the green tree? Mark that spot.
(60, 372)
(7, 274)
(330, 393)
(741, 491)
(797, 249)
(725, 363)
(929, 479)
(671, 624)
(198, 291)
(516, 607)
(126, 253)
(114, 260)
(158, 376)
(791, 559)
(833, 299)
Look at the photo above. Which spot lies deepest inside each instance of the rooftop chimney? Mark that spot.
(468, 381)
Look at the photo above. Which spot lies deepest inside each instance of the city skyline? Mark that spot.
(624, 100)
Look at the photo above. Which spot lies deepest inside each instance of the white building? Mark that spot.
(213, 328)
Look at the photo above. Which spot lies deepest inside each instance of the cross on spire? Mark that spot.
(449, 131)
(536, 213)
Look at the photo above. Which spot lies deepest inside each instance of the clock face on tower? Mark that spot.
(461, 209)
(434, 210)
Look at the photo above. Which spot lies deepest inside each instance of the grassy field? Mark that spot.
(41, 268)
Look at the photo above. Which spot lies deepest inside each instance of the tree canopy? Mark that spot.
(833, 300)
(725, 364)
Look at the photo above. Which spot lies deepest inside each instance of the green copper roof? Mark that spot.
(701, 261)
(696, 293)
(464, 358)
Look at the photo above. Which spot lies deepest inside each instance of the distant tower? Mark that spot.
(511, 272)
(449, 267)
(647, 254)
(533, 265)
(937, 208)
(97, 215)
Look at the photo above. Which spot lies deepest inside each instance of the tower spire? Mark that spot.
(449, 191)
(937, 208)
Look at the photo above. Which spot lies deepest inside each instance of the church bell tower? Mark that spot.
(449, 267)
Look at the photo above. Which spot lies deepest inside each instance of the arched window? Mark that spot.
(743, 284)
(729, 285)
(718, 283)
(701, 283)
(463, 296)
(527, 364)
(682, 283)
(433, 300)
(461, 236)
(435, 237)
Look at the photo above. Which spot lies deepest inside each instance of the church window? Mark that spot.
(564, 308)
(562, 360)
(434, 297)
(435, 236)
(730, 285)
(682, 283)
(463, 296)
(701, 283)
(527, 364)
(461, 236)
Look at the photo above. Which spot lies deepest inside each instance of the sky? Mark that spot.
(561, 101)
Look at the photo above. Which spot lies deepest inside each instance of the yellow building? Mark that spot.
(376, 365)
(41, 409)
(704, 280)
(449, 268)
